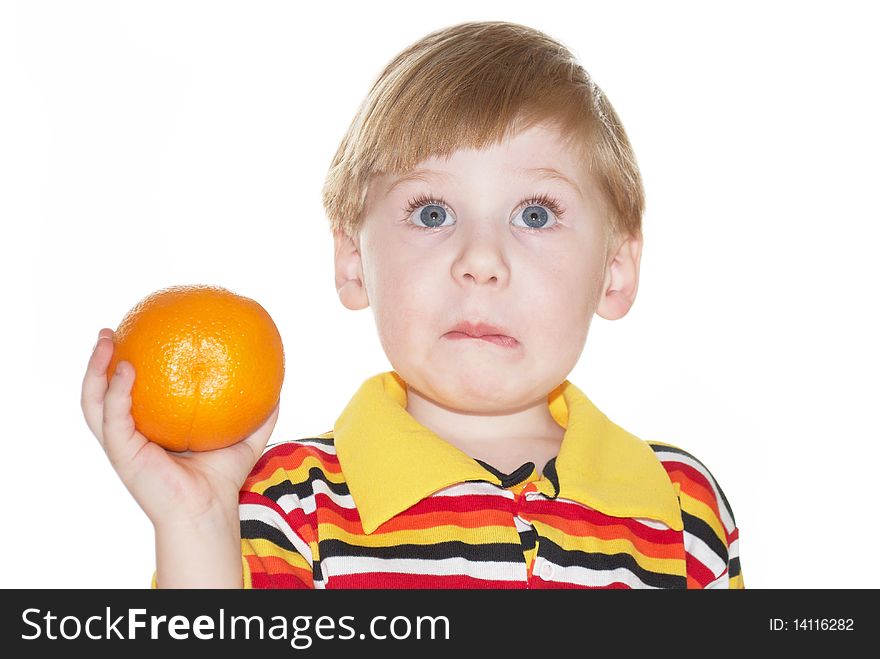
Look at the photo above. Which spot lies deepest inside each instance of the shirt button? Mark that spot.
(546, 571)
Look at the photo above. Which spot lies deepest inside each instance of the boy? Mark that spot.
(485, 203)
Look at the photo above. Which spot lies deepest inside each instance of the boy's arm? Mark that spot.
(711, 536)
(261, 550)
(204, 553)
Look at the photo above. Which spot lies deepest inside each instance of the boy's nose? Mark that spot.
(481, 262)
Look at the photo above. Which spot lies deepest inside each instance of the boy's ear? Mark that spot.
(621, 279)
(349, 272)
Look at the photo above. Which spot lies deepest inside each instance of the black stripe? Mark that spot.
(518, 475)
(599, 561)
(726, 504)
(495, 551)
(671, 449)
(552, 476)
(305, 488)
(324, 441)
(528, 538)
(255, 529)
(696, 526)
(733, 567)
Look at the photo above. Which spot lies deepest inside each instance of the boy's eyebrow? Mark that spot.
(548, 173)
(422, 174)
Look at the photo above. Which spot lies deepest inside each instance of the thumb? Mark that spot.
(260, 437)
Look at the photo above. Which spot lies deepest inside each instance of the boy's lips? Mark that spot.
(482, 331)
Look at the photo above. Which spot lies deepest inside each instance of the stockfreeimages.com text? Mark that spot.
(300, 631)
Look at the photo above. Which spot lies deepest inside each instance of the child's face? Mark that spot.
(495, 256)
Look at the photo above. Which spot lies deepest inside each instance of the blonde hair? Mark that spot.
(470, 86)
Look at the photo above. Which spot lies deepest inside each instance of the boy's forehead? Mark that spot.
(538, 153)
(429, 175)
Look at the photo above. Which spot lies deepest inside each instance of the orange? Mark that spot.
(209, 365)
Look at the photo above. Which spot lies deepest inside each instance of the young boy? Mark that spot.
(485, 203)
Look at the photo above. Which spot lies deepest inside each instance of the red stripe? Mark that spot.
(578, 512)
(462, 503)
(540, 584)
(431, 505)
(262, 580)
(246, 497)
(694, 483)
(323, 503)
(692, 472)
(375, 580)
(699, 572)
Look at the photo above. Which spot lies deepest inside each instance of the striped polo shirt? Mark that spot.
(381, 501)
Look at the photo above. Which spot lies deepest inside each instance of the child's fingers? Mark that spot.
(121, 441)
(94, 384)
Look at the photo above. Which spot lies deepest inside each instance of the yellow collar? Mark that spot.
(392, 462)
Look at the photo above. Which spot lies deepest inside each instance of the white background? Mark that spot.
(146, 144)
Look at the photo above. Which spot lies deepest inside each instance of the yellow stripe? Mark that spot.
(427, 536)
(736, 583)
(262, 548)
(298, 475)
(545, 487)
(529, 555)
(246, 581)
(616, 546)
(699, 509)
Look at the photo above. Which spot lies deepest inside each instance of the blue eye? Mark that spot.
(432, 215)
(535, 217)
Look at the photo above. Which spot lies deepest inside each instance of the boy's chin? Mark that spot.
(483, 390)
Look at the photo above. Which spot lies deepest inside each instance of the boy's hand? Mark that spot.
(173, 489)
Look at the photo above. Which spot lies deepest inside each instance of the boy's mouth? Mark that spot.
(482, 331)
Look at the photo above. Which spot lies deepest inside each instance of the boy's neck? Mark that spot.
(505, 441)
